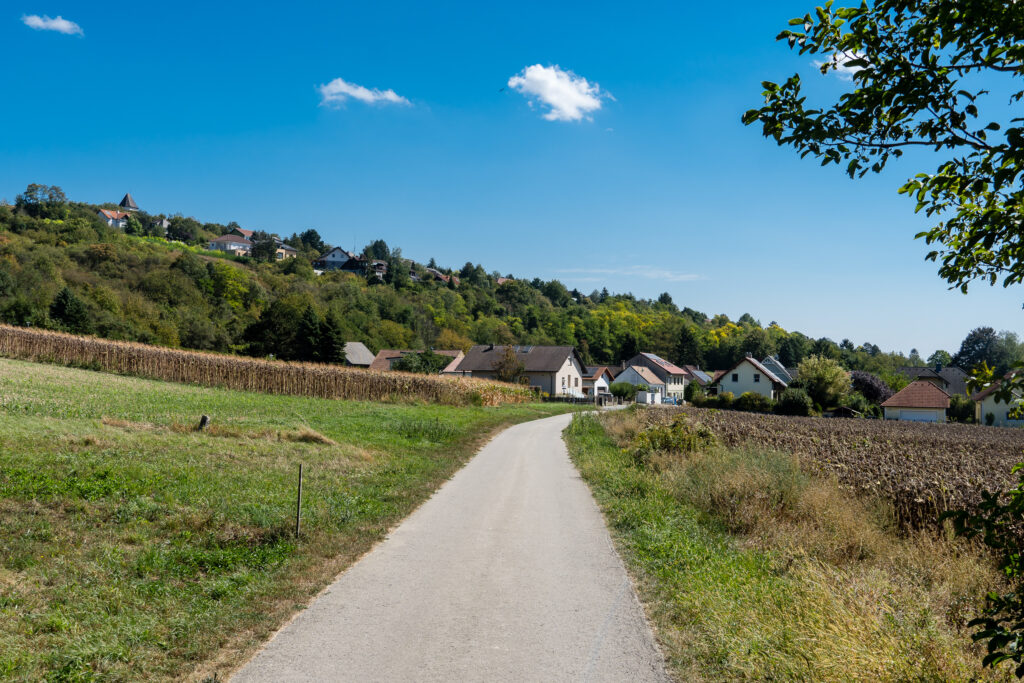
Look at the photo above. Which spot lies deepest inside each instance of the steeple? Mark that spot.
(128, 204)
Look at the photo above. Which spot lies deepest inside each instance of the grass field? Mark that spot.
(134, 548)
(753, 569)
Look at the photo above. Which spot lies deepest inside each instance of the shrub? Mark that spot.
(961, 409)
(693, 392)
(724, 400)
(753, 402)
(872, 387)
(622, 389)
(990, 419)
(677, 437)
(795, 402)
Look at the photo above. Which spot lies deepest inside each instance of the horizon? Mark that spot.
(598, 149)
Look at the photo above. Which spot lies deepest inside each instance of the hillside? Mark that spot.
(135, 548)
(63, 268)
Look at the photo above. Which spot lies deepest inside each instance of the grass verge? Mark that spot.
(135, 548)
(751, 569)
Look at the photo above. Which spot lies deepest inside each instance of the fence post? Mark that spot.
(298, 505)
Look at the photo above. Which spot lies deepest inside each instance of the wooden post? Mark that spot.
(298, 505)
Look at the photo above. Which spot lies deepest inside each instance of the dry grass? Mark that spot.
(251, 374)
(776, 573)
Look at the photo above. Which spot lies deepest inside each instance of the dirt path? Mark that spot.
(506, 574)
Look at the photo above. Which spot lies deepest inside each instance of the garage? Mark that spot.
(919, 401)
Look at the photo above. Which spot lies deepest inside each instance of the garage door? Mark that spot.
(919, 415)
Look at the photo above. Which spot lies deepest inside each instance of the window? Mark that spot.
(735, 377)
(757, 377)
(577, 381)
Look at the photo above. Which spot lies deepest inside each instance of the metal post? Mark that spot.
(298, 505)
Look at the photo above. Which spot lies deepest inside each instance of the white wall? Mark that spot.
(916, 414)
(749, 379)
(1000, 410)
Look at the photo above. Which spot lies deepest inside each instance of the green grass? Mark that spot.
(132, 547)
(752, 570)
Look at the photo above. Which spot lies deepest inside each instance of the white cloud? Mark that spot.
(839, 64)
(340, 91)
(570, 97)
(651, 273)
(45, 23)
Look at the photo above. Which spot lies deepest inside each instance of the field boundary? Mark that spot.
(250, 374)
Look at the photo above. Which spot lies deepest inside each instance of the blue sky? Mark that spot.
(441, 139)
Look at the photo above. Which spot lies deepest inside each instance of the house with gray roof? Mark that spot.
(671, 375)
(749, 375)
(554, 370)
(775, 366)
(357, 354)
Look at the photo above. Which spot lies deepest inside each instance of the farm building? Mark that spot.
(356, 354)
(554, 370)
(749, 375)
(919, 401)
(386, 358)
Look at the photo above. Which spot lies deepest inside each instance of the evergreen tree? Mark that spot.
(332, 340)
(70, 312)
(308, 342)
(688, 351)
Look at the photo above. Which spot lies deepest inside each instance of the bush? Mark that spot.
(795, 402)
(677, 437)
(961, 409)
(693, 392)
(724, 400)
(824, 379)
(622, 389)
(753, 402)
(856, 401)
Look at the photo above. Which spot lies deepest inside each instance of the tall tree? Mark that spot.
(507, 367)
(688, 351)
(920, 74)
(979, 346)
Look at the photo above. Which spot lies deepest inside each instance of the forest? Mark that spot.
(62, 268)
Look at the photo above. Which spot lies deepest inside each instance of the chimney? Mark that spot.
(749, 354)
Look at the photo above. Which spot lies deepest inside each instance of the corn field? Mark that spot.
(250, 374)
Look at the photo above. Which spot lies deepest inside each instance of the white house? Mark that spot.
(597, 380)
(334, 259)
(919, 401)
(641, 374)
(749, 375)
(114, 219)
(239, 246)
(1003, 414)
(554, 370)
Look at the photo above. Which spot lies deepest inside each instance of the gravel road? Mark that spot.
(506, 574)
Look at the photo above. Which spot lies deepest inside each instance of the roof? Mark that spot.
(913, 371)
(356, 353)
(243, 232)
(698, 375)
(385, 357)
(670, 368)
(128, 202)
(482, 358)
(776, 366)
(918, 394)
(646, 374)
(994, 387)
(286, 247)
(115, 215)
(453, 367)
(594, 372)
(232, 239)
(757, 365)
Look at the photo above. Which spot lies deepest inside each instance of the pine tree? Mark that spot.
(70, 312)
(332, 340)
(307, 337)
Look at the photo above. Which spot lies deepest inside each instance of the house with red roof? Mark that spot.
(919, 401)
(114, 219)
